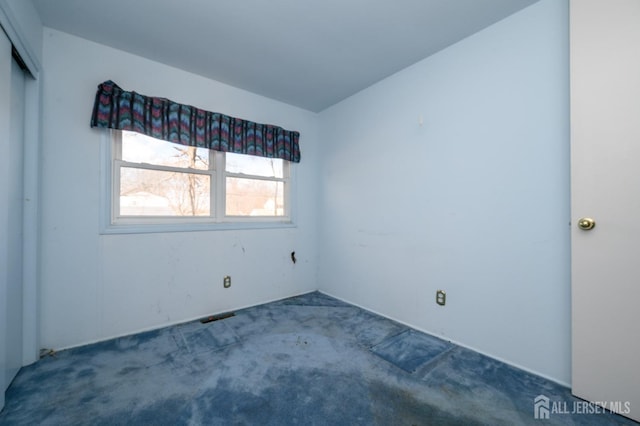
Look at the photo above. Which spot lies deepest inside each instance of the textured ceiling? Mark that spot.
(308, 54)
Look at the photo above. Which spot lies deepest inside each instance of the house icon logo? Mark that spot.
(541, 407)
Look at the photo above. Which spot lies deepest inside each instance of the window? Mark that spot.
(154, 183)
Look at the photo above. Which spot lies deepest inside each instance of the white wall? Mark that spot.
(98, 286)
(475, 201)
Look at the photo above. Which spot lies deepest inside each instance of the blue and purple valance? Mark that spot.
(163, 119)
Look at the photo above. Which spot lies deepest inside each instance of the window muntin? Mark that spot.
(155, 182)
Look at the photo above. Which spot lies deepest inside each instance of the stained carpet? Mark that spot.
(307, 360)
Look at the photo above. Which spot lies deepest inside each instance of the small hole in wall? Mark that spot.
(293, 257)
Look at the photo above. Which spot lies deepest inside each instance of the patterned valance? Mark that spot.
(163, 119)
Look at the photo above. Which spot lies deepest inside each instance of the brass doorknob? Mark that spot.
(586, 223)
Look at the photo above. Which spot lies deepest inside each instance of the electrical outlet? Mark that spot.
(226, 282)
(441, 297)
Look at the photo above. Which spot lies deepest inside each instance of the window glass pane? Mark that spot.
(253, 197)
(137, 148)
(252, 165)
(159, 193)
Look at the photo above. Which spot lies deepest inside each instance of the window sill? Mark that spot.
(191, 227)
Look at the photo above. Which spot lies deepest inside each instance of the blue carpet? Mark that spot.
(308, 360)
(411, 349)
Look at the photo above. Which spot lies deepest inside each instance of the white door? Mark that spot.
(605, 186)
(5, 107)
(12, 104)
(15, 156)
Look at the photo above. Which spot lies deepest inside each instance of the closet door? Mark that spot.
(12, 90)
(5, 107)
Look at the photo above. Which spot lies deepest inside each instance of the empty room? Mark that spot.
(418, 212)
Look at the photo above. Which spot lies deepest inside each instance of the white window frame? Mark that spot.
(112, 223)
